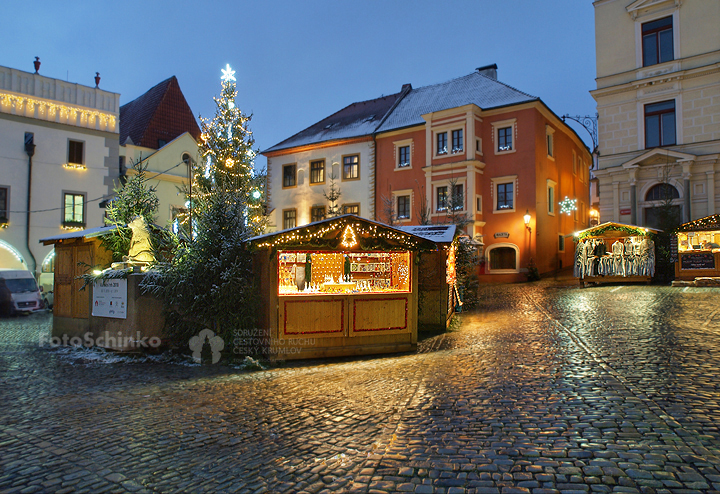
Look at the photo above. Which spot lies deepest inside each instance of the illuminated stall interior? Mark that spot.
(698, 249)
(348, 282)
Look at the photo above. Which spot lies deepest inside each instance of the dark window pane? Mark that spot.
(289, 219)
(75, 153)
(288, 175)
(403, 207)
(351, 209)
(458, 199)
(441, 198)
(457, 140)
(317, 172)
(660, 107)
(505, 196)
(317, 213)
(657, 25)
(668, 129)
(652, 131)
(3, 203)
(649, 50)
(666, 45)
(404, 156)
(662, 192)
(505, 139)
(441, 143)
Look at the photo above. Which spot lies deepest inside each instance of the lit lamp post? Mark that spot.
(526, 219)
(594, 217)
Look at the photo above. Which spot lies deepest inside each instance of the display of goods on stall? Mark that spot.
(698, 248)
(615, 252)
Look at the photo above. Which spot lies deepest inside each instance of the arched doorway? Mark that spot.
(663, 207)
(10, 257)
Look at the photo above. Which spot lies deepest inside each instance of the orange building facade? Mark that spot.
(476, 150)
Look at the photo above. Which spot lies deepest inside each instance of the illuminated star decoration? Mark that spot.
(567, 206)
(228, 74)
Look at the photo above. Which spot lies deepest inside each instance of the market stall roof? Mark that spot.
(346, 232)
(89, 233)
(440, 234)
(612, 229)
(708, 223)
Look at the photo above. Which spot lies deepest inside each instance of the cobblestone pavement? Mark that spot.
(545, 389)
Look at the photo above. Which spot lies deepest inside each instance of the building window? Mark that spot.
(441, 143)
(458, 199)
(317, 172)
(457, 141)
(403, 156)
(505, 196)
(478, 204)
(574, 163)
(317, 213)
(561, 242)
(403, 207)
(551, 197)
(441, 195)
(657, 41)
(289, 175)
(549, 133)
(502, 258)
(662, 192)
(660, 124)
(4, 204)
(505, 140)
(351, 209)
(74, 209)
(289, 218)
(75, 152)
(351, 167)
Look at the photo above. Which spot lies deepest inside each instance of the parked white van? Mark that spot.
(24, 293)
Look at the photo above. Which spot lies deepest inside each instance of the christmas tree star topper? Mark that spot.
(228, 74)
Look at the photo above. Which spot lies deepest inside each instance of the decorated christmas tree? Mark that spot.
(209, 282)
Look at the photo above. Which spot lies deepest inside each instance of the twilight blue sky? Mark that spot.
(297, 62)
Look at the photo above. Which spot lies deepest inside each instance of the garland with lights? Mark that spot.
(68, 114)
(703, 224)
(599, 231)
(342, 234)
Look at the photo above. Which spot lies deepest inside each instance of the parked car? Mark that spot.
(24, 292)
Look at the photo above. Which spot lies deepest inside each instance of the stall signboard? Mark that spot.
(110, 298)
(697, 260)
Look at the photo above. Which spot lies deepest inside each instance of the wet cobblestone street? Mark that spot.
(543, 389)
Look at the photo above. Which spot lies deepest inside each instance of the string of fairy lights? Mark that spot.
(349, 239)
(67, 114)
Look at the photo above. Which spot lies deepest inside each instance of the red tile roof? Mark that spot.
(162, 113)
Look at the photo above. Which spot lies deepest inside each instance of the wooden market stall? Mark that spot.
(75, 253)
(615, 253)
(698, 249)
(341, 286)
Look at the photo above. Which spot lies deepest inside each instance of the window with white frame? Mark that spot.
(504, 190)
(657, 41)
(660, 124)
(549, 138)
(403, 154)
(457, 198)
(441, 198)
(574, 162)
(441, 143)
(74, 208)
(551, 185)
(504, 136)
(403, 207)
(457, 141)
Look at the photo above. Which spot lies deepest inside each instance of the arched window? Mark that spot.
(502, 258)
(662, 192)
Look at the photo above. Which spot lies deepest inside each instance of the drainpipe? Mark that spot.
(30, 150)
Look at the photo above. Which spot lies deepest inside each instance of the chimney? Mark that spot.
(97, 79)
(36, 63)
(406, 87)
(489, 71)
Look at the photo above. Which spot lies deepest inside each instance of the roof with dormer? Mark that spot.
(355, 120)
(159, 115)
(405, 109)
(475, 88)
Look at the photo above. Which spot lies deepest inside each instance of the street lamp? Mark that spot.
(527, 218)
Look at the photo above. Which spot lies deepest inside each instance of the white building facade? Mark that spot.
(299, 180)
(658, 99)
(71, 131)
